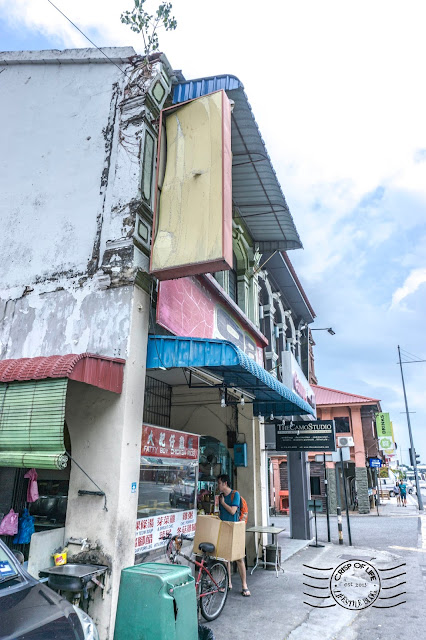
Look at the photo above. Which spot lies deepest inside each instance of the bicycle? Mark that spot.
(211, 584)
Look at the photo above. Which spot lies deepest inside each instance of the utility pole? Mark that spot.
(416, 475)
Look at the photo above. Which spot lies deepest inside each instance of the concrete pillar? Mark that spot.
(106, 430)
(331, 488)
(358, 437)
(251, 481)
(360, 468)
(361, 479)
(299, 492)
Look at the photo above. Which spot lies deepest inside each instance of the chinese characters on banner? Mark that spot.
(149, 531)
(166, 443)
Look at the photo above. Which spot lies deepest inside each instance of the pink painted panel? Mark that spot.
(187, 307)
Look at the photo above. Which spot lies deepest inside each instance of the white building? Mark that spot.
(79, 186)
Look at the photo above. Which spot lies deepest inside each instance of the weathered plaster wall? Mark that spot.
(58, 119)
(72, 320)
(70, 185)
(106, 431)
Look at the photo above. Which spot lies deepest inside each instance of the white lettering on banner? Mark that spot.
(166, 443)
(149, 531)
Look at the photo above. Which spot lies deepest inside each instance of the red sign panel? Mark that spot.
(166, 443)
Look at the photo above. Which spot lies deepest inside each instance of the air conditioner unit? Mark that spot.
(344, 441)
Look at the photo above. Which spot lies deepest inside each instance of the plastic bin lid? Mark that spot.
(166, 573)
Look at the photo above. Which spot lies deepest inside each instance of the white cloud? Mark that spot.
(416, 278)
(338, 93)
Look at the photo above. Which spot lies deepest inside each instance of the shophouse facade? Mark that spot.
(121, 349)
(355, 422)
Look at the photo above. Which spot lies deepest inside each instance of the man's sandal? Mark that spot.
(246, 593)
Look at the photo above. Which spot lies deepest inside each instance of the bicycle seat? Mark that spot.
(207, 547)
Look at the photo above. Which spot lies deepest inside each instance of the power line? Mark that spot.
(407, 354)
(87, 38)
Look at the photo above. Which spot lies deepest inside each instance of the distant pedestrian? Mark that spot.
(403, 490)
(397, 492)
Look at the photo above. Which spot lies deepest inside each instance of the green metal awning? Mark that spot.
(32, 415)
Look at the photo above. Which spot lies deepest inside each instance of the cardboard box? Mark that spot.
(229, 538)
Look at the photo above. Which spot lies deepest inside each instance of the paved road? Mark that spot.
(276, 609)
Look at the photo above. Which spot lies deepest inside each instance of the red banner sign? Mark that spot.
(166, 443)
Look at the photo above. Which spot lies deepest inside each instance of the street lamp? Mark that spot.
(414, 461)
(329, 329)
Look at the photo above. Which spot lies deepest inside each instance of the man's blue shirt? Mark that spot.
(231, 501)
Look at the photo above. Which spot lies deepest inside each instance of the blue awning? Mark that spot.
(224, 359)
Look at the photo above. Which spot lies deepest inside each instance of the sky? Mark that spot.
(339, 95)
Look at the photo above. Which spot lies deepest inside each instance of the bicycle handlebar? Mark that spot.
(178, 535)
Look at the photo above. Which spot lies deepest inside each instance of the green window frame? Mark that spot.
(148, 166)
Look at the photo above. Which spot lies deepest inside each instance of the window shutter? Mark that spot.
(32, 415)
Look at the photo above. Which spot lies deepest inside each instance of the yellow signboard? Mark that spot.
(192, 231)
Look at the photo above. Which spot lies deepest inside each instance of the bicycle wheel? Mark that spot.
(214, 590)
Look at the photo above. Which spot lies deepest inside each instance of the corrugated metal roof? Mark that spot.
(282, 273)
(237, 370)
(256, 191)
(325, 396)
(99, 371)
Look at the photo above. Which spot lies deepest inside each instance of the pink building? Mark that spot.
(354, 417)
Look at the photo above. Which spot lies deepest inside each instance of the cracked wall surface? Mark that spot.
(70, 187)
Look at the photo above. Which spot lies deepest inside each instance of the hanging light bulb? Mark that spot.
(242, 402)
(271, 417)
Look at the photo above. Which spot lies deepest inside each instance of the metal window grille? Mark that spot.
(158, 402)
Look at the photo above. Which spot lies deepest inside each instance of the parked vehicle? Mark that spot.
(183, 494)
(387, 485)
(411, 487)
(30, 610)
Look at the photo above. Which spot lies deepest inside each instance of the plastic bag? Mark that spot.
(26, 529)
(9, 524)
(32, 491)
(205, 633)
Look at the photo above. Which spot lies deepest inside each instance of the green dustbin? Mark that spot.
(156, 602)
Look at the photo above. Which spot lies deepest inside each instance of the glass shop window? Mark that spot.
(315, 486)
(342, 425)
(166, 486)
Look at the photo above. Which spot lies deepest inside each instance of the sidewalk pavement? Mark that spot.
(277, 608)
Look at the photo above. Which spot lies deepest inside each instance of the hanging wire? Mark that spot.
(411, 356)
(407, 354)
(91, 480)
(87, 38)
(96, 46)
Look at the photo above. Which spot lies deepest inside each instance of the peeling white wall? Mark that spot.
(72, 320)
(69, 169)
(54, 119)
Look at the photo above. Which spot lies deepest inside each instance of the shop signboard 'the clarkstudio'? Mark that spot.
(316, 435)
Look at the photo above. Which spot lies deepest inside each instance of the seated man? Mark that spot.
(229, 504)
